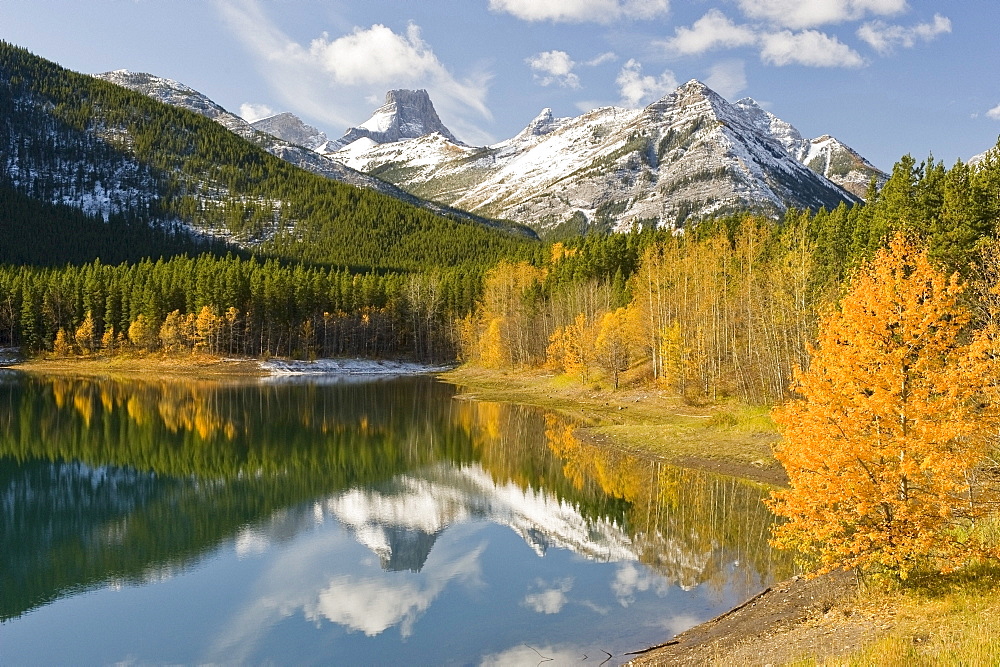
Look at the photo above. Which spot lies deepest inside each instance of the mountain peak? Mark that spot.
(406, 114)
(693, 96)
(289, 127)
(542, 124)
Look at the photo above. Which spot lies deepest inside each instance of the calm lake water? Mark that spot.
(346, 522)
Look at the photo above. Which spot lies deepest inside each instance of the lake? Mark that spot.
(347, 521)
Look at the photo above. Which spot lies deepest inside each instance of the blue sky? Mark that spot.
(888, 77)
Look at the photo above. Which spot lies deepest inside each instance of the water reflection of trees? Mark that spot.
(691, 526)
(328, 435)
(126, 480)
(112, 480)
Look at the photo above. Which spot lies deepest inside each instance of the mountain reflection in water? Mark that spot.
(111, 483)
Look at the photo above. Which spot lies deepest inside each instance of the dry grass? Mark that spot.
(149, 365)
(935, 620)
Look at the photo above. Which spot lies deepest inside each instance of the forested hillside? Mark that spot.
(730, 307)
(72, 139)
(95, 171)
(724, 310)
(44, 234)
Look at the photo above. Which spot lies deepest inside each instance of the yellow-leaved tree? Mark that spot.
(896, 412)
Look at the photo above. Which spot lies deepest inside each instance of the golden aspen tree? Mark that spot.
(555, 353)
(143, 333)
(612, 345)
(509, 307)
(492, 351)
(206, 329)
(61, 347)
(172, 331)
(467, 333)
(108, 340)
(573, 361)
(84, 334)
(897, 409)
(672, 357)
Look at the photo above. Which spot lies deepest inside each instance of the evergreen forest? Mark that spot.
(726, 308)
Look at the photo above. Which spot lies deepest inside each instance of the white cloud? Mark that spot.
(727, 78)
(637, 89)
(712, 30)
(810, 48)
(379, 56)
(253, 112)
(551, 600)
(607, 57)
(579, 11)
(994, 113)
(811, 13)
(554, 67)
(886, 38)
(629, 579)
(331, 79)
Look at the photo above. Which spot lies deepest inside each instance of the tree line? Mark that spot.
(232, 305)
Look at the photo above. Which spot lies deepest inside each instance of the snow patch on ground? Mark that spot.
(9, 355)
(285, 367)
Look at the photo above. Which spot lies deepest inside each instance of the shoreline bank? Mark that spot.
(727, 439)
(220, 368)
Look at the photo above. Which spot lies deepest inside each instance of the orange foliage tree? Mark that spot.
(897, 411)
(612, 344)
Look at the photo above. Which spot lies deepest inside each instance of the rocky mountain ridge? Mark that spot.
(406, 114)
(689, 155)
(285, 136)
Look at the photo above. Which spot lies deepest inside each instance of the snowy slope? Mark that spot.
(825, 155)
(295, 150)
(688, 155)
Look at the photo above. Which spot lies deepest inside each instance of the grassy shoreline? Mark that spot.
(191, 366)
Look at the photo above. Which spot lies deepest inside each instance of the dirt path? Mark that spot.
(792, 620)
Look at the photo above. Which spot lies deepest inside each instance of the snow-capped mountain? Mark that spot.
(993, 152)
(406, 114)
(825, 155)
(285, 136)
(689, 155)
